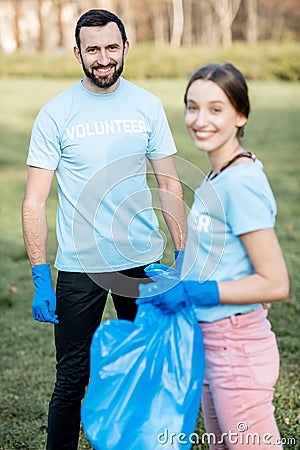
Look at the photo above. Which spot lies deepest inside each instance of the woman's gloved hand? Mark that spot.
(172, 295)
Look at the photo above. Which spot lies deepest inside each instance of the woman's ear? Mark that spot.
(241, 121)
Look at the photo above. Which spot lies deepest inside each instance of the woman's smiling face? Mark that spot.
(210, 118)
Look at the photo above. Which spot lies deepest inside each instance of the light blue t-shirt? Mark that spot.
(97, 144)
(239, 200)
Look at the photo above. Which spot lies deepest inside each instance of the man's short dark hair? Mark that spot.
(98, 18)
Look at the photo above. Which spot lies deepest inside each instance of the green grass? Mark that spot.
(27, 352)
(259, 61)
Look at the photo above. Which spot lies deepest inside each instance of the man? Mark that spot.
(95, 137)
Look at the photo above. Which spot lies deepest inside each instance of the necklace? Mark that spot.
(240, 155)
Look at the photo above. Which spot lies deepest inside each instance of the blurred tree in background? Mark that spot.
(48, 25)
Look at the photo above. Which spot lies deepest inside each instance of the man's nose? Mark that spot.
(103, 58)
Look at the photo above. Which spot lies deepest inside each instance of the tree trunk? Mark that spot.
(60, 26)
(40, 39)
(127, 16)
(177, 23)
(159, 21)
(187, 37)
(207, 25)
(278, 23)
(252, 14)
(159, 28)
(17, 34)
(226, 11)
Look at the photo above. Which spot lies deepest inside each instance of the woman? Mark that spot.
(233, 264)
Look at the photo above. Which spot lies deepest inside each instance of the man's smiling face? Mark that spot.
(101, 54)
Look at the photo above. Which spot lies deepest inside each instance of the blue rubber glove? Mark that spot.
(170, 299)
(157, 272)
(179, 255)
(202, 294)
(155, 293)
(165, 278)
(44, 300)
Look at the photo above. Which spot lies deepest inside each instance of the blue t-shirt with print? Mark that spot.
(238, 201)
(97, 144)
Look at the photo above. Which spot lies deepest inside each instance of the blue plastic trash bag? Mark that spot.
(146, 380)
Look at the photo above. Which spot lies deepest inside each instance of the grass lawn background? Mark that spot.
(27, 351)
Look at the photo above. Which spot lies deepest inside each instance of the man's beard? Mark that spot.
(104, 82)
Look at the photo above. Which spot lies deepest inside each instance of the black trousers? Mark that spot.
(81, 299)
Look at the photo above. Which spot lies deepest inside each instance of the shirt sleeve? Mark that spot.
(161, 143)
(44, 148)
(251, 206)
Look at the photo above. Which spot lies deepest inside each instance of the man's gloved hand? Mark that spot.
(44, 300)
(179, 255)
(158, 272)
(170, 299)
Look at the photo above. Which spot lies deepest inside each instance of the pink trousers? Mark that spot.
(242, 365)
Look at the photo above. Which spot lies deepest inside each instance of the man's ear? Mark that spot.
(77, 54)
(126, 47)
